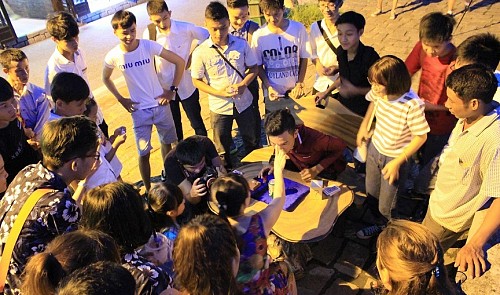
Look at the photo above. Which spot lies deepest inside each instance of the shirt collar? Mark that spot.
(230, 41)
(477, 128)
(61, 59)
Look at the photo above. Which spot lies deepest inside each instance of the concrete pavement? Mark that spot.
(342, 264)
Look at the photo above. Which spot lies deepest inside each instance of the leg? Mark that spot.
(245, 121)
(222, 124)
(388, 192)
(176, 115)
(444, 235)
(191, 106)
(143, 124)
(165, 149)
(145, 170)
(254, 89)
(166, 129)
(373, 180)
(451, 3)
(379, 8)
(393, 11)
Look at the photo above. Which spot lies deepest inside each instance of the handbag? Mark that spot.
(16, 230)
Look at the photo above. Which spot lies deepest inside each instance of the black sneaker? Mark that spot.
(369, 232)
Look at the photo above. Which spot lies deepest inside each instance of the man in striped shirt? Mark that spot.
(469, 173)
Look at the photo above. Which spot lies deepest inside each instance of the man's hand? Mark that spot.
(391, 171)
(198, 189)
(297, 91)
(309, 174)
(165, 97)
(363, 136)
(346, 88)
(471, 260)
(128, 104)
(273, 94)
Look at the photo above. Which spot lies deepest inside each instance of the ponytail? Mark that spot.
(42, 274)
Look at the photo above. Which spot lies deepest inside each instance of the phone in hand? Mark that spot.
(331, 191)
(254, 184)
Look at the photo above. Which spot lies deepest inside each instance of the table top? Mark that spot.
(312, 220)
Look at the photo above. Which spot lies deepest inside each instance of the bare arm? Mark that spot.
(272, 212)
(391, 169)
(177, 61)
(203, 86)
(106, 79)
(471, 258)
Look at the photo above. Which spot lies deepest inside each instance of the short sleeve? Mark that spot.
(255, 46)
(314, 32)
(109, 61)
(304, 42)
(210, 150)
(250, 59)
(197, 67)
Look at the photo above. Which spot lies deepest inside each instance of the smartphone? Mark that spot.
(331, 191)
(254, 184)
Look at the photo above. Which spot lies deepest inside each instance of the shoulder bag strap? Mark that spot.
(152, 36)
(16, 230)
(327, 39)
(227, 61)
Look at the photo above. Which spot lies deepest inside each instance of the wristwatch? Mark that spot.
(174, 88)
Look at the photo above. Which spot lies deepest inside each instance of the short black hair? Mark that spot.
(267, 5)
(190, 151)
(156, 6)
(102, 277)
(436, 27)
(62, 26)
(123, 19)
(6, 91)
(69, 87)
(480, 49)
(216, 11)
(353, 18)
(473, 81)
(66, 139)
(278, 122)
(237, 3)
(11, 55)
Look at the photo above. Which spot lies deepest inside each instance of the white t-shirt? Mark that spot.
(323, 52)
(280, 54)
(139, 72)
(179, 41)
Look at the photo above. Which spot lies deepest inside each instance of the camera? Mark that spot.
(208, 177)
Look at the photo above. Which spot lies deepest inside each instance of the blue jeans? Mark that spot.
(378, 187)
(191, 106)
(222, 125)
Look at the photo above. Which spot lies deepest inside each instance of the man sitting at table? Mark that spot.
(186, 164)
(310, 152)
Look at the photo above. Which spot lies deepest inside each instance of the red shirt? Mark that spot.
(432, 85)
(313, 147)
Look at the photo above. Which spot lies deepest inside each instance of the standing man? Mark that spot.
(177, 37)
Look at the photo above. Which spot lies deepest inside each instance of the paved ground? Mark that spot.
(342, 264)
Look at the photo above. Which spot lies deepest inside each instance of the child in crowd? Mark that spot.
(176, 36)
(206, 257)
(148, 101)
(3, 176)
(107, 150)
(117, 209)
(400, 131)
(410, 261)
(65, 254)
(232, 195)
(89, 280)
(433, 54)
(165, 203)
(34, 107)
(67, 57)
(228, 65)
(480, 49)
(354, 60)
(70, 94)
(243, 27)
(14, 147)
(324, 41)
(281, 50)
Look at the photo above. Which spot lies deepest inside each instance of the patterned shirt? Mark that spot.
(53, 215)
(469, 173)
(149, 278)
(398, 121)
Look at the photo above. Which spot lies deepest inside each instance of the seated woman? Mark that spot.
(63, 255)
(206, 257)
(256, 275)
(118, 210)
(410, 261)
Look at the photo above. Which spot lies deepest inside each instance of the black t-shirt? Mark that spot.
(15, 150)
(356, 71)
(176, 173)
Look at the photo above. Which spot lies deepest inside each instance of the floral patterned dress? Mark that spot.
(53, 215)
(256, 275)
(149, 278)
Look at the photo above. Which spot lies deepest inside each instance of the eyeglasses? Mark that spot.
(96, 157)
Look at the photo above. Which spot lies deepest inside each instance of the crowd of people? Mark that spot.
(69, 224)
